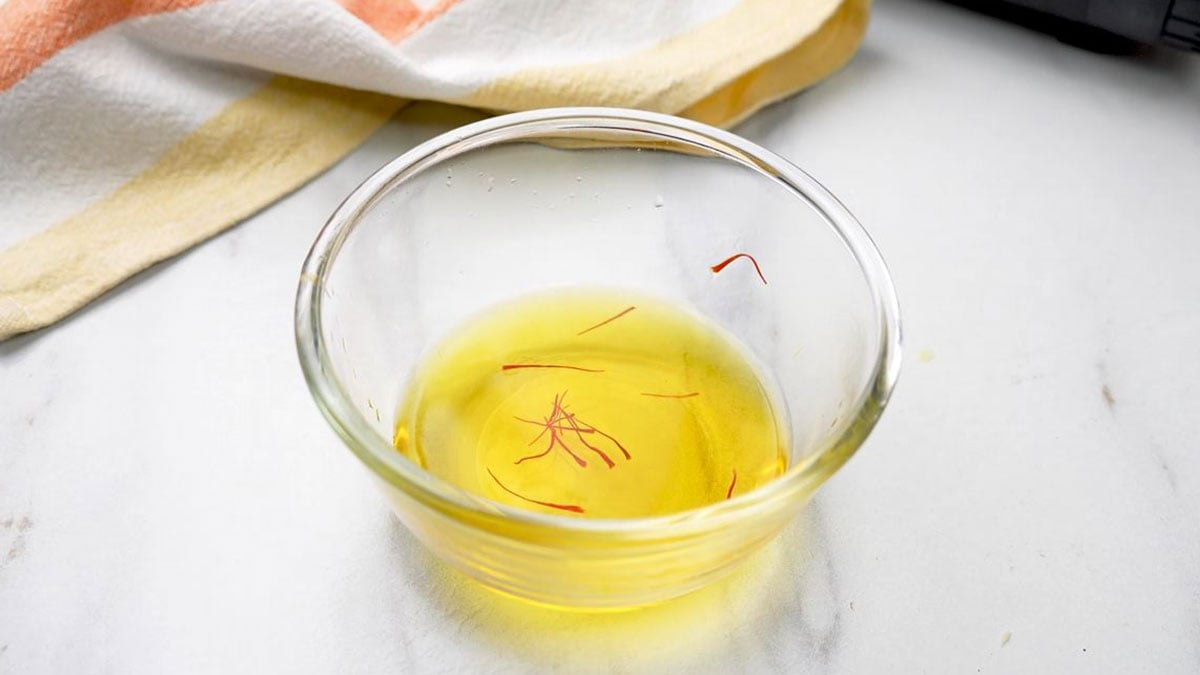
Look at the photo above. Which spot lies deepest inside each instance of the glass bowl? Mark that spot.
(597, 197)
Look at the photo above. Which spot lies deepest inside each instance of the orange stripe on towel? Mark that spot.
(32, 31)
(389, 18)
(395, 19)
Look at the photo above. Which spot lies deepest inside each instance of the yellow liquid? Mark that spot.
(593, 404)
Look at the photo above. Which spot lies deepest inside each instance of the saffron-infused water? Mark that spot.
(593, 404)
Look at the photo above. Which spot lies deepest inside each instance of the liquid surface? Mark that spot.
(592, 404)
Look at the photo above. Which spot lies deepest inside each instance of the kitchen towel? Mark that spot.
(131, 130)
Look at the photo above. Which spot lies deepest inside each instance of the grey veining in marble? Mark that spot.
(170, 500)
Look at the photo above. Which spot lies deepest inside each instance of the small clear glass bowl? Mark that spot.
(597, 197)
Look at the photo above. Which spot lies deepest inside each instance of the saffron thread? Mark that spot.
(517, 366)
(716, 269)
(552, 424)
(687, 395)
(565, 507)
(729, 492)
(608, 320)
(560, 423)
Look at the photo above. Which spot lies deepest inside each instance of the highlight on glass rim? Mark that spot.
(547, 337)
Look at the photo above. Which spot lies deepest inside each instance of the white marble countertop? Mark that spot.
(171, 501)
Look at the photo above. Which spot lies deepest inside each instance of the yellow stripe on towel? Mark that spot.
(247, 156)
(718, 73)
(810, 61)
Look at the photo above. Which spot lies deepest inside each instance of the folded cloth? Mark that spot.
(131, 130)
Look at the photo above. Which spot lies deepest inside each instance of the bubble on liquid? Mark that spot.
(658, 201)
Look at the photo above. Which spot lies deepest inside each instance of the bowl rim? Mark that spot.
(835, 447)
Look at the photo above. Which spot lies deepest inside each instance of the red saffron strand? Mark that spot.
(562, 422)
(551, 424)
(578, 460)
(547, 425)
(579, 432)
(560, 413)
(608, 320)
(565, 507)
(729, 492)
(614, 441)
(540, 454)
(516, 366)
(687, 395)
(555, 440)
(716, 269)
